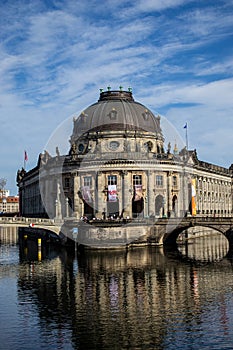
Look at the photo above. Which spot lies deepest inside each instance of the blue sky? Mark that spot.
(177, 55)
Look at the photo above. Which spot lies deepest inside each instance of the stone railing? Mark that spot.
(22, 220)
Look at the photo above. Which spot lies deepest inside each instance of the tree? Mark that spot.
(2, 183)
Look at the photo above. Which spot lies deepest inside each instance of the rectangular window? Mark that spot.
(137, 180)
(174, 181)
(159, 180)
(67, 182)
(112, 180)
(87, 181)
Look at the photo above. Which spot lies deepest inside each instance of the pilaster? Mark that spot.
(150, 191)
(77, 200)
(127, 194)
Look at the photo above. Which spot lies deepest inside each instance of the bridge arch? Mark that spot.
(170, 238)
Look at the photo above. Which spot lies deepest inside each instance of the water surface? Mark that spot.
(144, 298)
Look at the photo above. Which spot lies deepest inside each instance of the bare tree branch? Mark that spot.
(2, 183)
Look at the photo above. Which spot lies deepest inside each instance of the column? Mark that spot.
(67, 207)
(150, 193)
(127, 195)
(169, 195)
(122, 202)
(101, 204)
(58, 213)
(185, 186)
(77, 205)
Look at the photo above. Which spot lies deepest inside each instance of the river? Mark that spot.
(143, 298)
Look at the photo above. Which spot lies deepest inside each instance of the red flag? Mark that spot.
(25, 156)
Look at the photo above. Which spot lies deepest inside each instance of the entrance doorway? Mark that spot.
(159, 205)
(88, 210)
(113, 209)
(137, 200)
(174, 204)
(137, 207)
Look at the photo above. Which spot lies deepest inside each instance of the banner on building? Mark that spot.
(137, 192)
(193, 200)
(112, 193)
(87, 194)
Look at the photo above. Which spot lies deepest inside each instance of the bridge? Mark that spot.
(40, 223)
(164, 231)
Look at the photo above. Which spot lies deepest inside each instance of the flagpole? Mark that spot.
(186, 135)
(25, 159)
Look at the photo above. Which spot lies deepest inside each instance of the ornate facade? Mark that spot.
(117, 167)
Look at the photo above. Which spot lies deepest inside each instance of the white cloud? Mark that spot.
(54, 60)
(159, 5)
(208, 110)
(215, 94)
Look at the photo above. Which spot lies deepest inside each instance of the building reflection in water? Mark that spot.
(8, 235)
(120, 299)
(203, 244)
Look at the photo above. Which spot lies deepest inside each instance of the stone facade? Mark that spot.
(9, 205)
(117, 167)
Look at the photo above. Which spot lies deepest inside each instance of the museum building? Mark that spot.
(119, 167)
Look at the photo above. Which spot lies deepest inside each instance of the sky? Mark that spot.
(177, 55)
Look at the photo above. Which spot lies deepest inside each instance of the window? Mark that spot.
(113, 114)
(159, 180)
(83, 117)
(146, 114)
(112, 180)
(114, 145)
(137, 180)
(81, 147)
(67, 182)
(87, 181)
(174, 181)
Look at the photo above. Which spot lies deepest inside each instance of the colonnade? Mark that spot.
(167, 196)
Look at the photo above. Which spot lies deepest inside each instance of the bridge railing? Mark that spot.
(196, 220)
(22, 220)
(211, 218)
(172, 221)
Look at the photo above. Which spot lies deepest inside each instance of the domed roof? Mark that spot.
(117, 110)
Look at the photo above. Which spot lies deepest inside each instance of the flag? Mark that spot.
(87, 194)
(193, 199)
(25, 156)
(112, 193)
(185, 126)
(137, 192)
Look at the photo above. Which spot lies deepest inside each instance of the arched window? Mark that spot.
(159, 205)
(174, 204)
